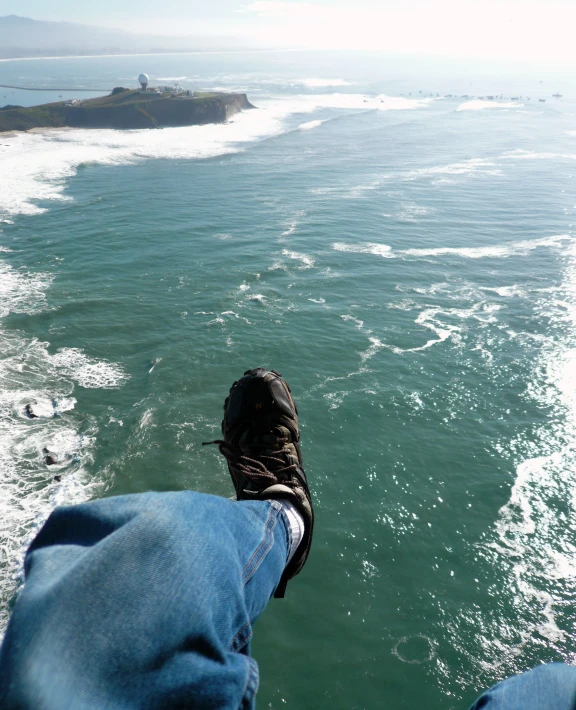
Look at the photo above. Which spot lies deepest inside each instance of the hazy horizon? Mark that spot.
(505, 31)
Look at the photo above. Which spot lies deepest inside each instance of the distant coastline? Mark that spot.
(24, 38)
(153, 54)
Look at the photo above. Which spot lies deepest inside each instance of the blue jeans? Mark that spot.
(143, 601)
(147, 601)
(547, 687)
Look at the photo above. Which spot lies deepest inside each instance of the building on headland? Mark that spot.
(143, 81)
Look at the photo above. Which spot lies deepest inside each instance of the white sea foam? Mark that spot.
(309, 125)
(429, 318)
(87, 372)
(315, 83)
(472, 166)
(411, 212)
(529, 529)
(480, 105)
(438, 173)
(358, 323)
(29, 375)
(282, 107)
(375, 346)
(292, 224)
(22, 291)
(530, 548)
(521, 154)
(502, 251)
(444, 322)
(306, 261)
(366, 248)
(506, 291)
(37, 418)
(291, 228)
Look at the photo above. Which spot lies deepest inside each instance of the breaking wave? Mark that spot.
(502, 251)
(317, 83)
(480, 105)
(311, 124)
(45, 445)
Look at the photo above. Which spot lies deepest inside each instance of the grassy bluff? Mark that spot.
(127, 108)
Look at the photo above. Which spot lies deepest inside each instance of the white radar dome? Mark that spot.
(143, 79)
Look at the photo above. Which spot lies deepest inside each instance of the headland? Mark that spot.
(128, 108)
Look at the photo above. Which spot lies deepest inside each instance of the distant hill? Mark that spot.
(25, 37)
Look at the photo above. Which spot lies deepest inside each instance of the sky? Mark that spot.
(502, 29)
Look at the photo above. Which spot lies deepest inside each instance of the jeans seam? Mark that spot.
(251, 681)
(260, 552)
(236, 644)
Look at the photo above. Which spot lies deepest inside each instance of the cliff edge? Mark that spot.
(127, 108)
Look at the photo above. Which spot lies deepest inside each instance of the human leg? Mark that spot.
(148, 601)
(143, 601)
(551, 686)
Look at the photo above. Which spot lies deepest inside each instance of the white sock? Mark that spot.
(296, 523)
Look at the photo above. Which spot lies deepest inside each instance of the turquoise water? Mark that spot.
(407, 262)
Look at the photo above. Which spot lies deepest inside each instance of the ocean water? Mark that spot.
(407, 261)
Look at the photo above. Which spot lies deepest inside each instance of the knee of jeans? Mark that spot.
(550, 686)
(186, 525)
(558, 678)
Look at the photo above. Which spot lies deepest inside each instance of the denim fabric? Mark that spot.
(143, 601)
(547, 687)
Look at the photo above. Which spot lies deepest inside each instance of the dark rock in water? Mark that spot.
(57, 479)
(53, 459)
(49, 458)
(44, 412)
(30, 412)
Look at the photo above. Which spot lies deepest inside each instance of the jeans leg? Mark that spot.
(547, 687)
(143, 601)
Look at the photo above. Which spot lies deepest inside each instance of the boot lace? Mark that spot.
(255, 470)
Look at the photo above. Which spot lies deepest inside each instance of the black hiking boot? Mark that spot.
(261, 435)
